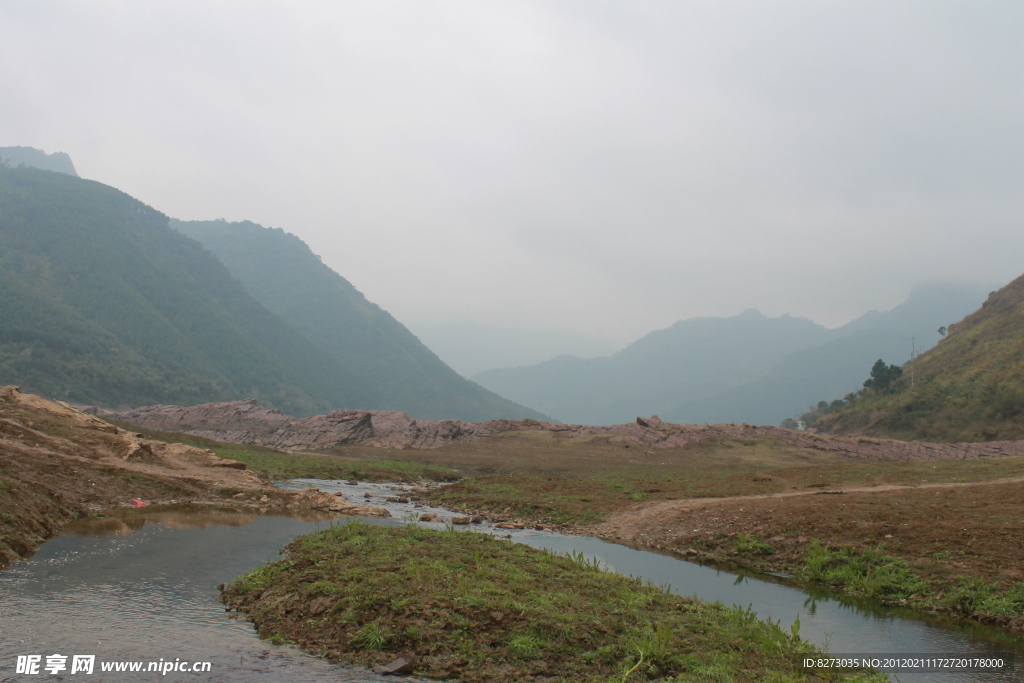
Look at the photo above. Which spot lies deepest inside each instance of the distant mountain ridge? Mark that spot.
(281, 272)
(746, 368)
(841, 364)
(694, 357)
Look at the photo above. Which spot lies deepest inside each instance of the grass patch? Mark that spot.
(868, 573)
(478, 608)
(873, 574)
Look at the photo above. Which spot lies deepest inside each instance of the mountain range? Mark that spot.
(106, 300)
(744, 368)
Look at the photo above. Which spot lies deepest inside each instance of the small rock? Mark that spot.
(404, 664)
(264, 499)
(397, 499)
(460, 520)
(429, 517)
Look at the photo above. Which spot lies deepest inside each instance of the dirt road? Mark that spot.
(948, 534)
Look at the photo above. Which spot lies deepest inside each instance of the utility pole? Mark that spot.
(912, 354)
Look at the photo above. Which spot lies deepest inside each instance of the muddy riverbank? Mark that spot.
(950, 546)
(58, 464)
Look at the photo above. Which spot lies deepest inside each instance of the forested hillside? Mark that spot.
(970, 387)
(281, 272)
(102, 302)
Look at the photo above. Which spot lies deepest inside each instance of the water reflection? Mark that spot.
(125, 520)
(140, 585)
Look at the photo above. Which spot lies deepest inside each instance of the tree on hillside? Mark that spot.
(883, 377)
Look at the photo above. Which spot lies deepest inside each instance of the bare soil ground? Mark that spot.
(945, 530)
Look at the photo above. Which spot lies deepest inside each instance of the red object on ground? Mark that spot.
(139, 503)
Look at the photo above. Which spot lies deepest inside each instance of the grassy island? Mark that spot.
(476, 608)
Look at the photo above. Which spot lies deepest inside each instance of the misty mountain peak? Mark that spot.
(60, 162)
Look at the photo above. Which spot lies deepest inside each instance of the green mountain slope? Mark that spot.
(281, 272)
(970, 387)
(102, 302)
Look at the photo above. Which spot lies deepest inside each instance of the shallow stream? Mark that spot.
(141, 585)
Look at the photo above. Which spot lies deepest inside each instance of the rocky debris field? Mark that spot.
(57, 463)
(248, 422)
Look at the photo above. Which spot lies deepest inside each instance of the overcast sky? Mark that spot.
(518, 179)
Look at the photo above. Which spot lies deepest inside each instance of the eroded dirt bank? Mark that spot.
(57, 463)
(248, 422)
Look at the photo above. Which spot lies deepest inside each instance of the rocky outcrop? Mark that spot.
(248, 422)
(315, 499)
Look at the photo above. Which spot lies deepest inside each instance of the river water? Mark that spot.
(141, 586)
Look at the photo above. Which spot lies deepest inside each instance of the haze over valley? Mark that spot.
(511, 342)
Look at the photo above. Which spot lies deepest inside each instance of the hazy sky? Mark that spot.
(533, 177)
